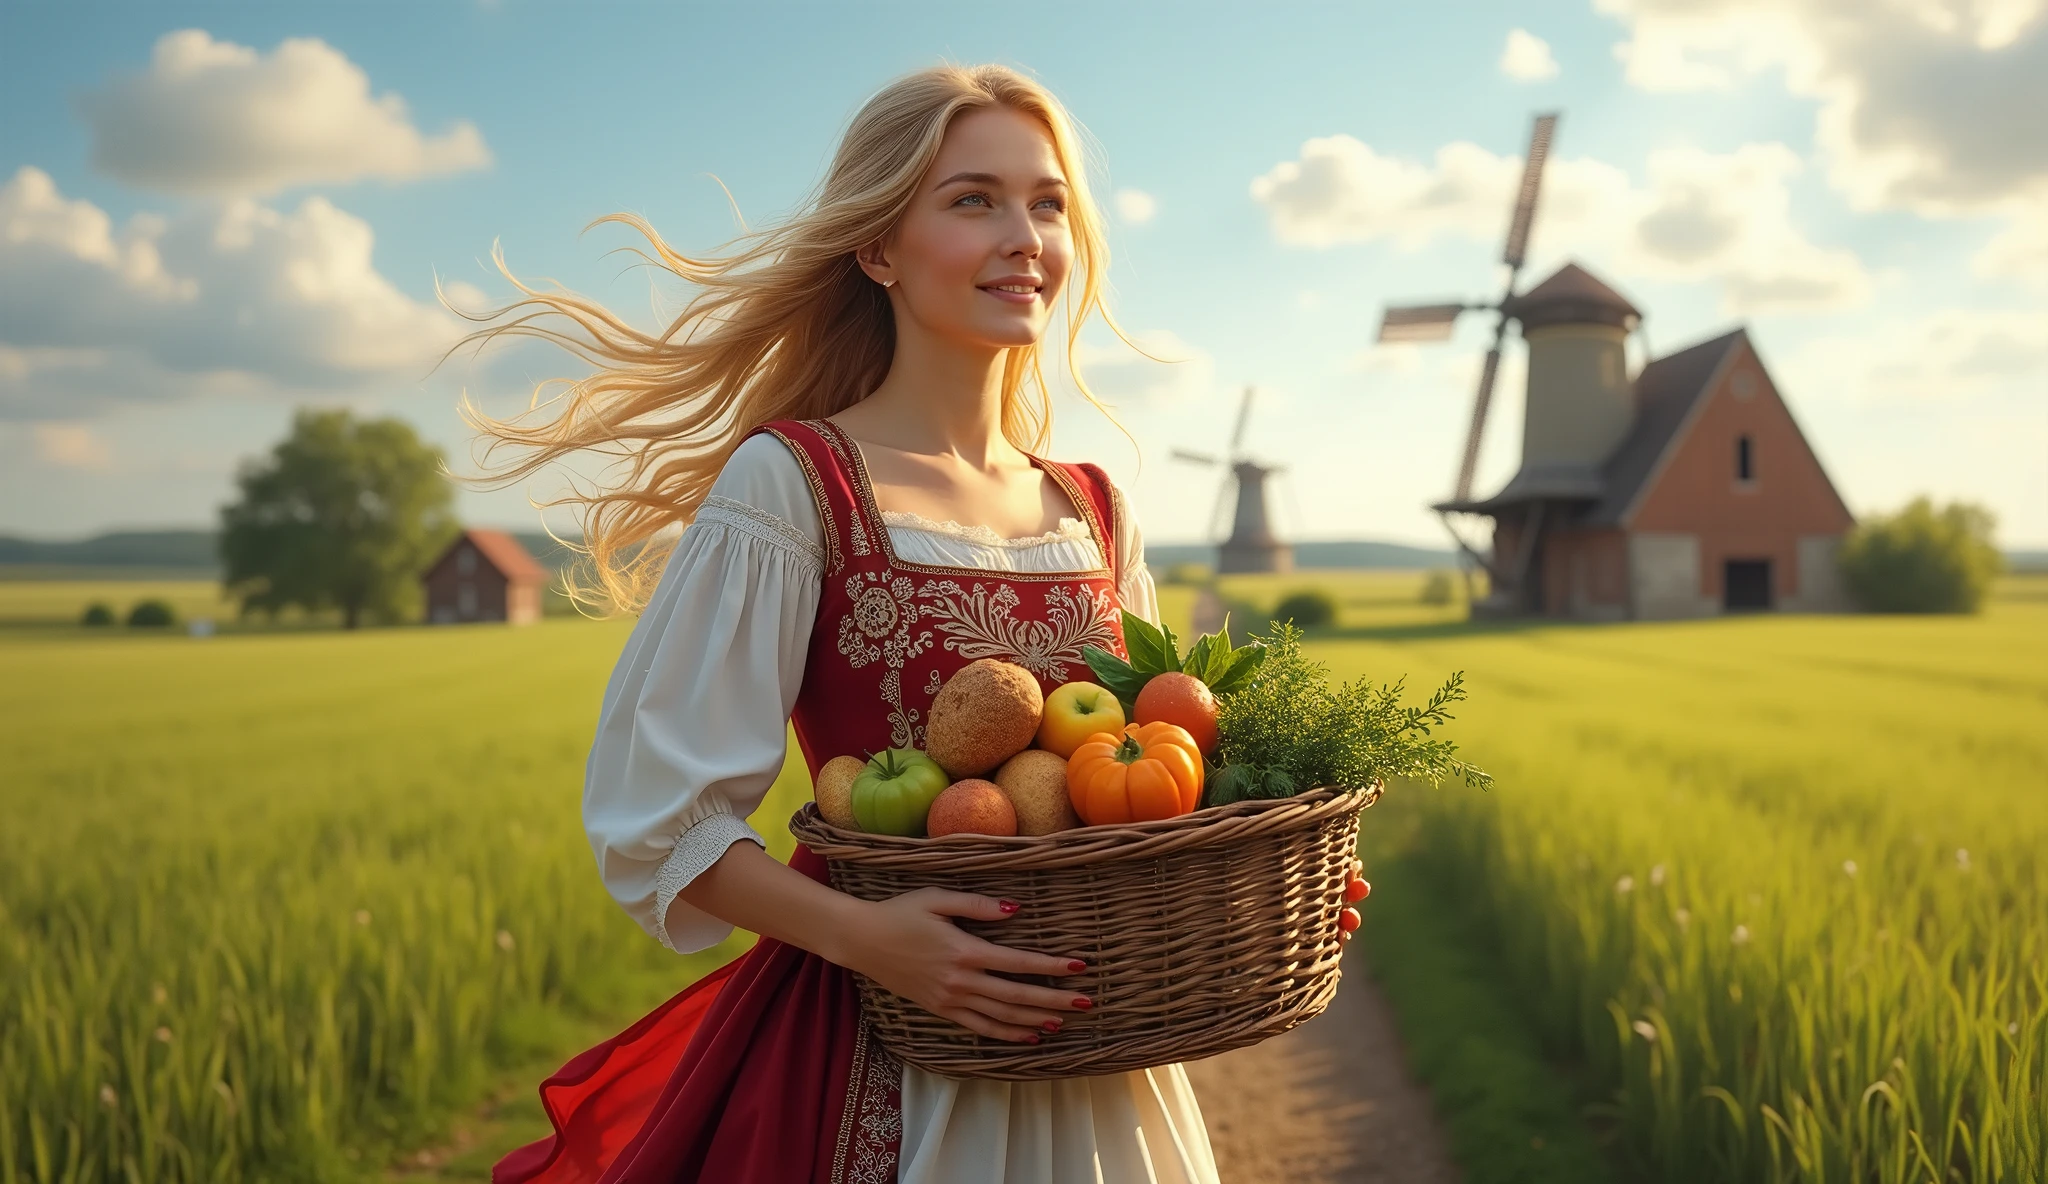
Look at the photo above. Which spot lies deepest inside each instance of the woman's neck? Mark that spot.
(938, 399)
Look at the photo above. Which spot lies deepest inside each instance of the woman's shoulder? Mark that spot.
(762, 478)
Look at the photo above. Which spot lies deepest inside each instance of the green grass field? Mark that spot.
(281, 906)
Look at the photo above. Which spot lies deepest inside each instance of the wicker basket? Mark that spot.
(1202, 933)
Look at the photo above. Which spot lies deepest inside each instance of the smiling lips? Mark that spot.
(1014, 289)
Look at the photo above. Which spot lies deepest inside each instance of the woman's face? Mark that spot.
(984, 246)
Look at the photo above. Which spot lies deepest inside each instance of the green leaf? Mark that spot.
(1200, 655)
(1172, 656)
(1241, 664)
(1115, 674)
(1146, 645)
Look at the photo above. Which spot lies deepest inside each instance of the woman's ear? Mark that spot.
(874, 260)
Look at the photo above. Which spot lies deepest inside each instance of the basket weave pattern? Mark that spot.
(1202, 933)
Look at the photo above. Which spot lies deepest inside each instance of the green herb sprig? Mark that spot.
(1289, 718)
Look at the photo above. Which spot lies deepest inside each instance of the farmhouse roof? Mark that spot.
(1667, 390)
(503, 552)
(1571, 296)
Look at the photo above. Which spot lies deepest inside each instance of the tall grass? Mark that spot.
(271, 904)
(1779, 884)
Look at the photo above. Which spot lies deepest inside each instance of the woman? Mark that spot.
(849, 389)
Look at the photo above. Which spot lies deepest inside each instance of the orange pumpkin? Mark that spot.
(1149, 772)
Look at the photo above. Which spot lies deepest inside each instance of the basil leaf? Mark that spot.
(1147, 646)
(1243, 662)
(1200, 656)
(1115, 674)
(1172, 646)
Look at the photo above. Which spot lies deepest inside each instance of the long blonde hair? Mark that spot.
(784, 325)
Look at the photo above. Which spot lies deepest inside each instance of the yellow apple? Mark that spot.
(1076, 711)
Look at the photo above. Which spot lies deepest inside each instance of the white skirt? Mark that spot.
(1126, 1128)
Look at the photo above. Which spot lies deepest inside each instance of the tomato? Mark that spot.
(894, 792)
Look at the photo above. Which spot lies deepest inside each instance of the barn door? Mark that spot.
(1746, 585)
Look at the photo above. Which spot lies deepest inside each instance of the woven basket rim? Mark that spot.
(1083, 845)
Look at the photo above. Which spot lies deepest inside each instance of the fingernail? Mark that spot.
(1077, 966)
(1031, 1039)
(1008, 906)
(1083, 1003)
(1051, 1025)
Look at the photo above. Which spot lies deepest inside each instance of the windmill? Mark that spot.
(1251, 544)
(1433, 322)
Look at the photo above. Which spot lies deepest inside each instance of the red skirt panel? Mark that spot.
(759, 1072)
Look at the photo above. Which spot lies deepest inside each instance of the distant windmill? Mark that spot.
(1433, 322)
(1251, 545)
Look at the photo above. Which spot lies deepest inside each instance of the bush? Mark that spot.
(1922, 559)
(1437, 589)
(1307, 608)
(151, 614)
(97, 613)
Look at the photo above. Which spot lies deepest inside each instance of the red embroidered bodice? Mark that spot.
(890, 632)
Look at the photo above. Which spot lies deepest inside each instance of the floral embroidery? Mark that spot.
(981, 624)
(871, 1122)
(881, 625)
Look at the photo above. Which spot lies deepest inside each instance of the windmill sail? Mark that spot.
(1419, 322)
(1525, 198)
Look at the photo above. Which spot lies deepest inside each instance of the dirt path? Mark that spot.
(1328, 1103)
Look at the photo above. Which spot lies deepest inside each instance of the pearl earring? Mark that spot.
(888, 283)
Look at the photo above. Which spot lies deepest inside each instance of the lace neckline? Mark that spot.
(1070, 529)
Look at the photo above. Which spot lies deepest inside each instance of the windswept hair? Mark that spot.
(784, 324)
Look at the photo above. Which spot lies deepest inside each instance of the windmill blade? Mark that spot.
(1244, 415)
(1470, 461)
(1532, 182)
(1419, 322)
(1194, 458)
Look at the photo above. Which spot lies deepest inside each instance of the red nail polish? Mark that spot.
(1051, 1025)
(1008, 906)
(1083, 1003)
(1031, 1039)
(1077, 966)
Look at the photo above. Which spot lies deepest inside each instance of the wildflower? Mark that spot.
(108, 1097)
(1646, 1030)
(362, 916)
(1683, 917)
(1625, 885)
(1657, 876)
(1849, 868)
(504, 939)
(2012, 1029)
(163, 1035)
(1741, 935)
(1963, 858)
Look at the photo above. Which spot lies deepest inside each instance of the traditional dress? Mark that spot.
(793, 596)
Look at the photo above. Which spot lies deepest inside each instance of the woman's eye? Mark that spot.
(981, 197)
(1058, 205)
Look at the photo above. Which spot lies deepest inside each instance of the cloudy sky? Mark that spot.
(212, 214)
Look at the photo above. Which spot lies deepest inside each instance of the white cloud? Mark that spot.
(1120, 375)
(233, 297)
(1723, 217)
(1933, 106)
(214, 117)
(72, 446)
(1527, 57)
(1135, 206)
(1950, 355)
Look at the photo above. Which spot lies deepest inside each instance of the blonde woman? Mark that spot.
(848, 416)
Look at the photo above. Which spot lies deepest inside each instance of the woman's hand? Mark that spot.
(909, 946)
(1355, 890)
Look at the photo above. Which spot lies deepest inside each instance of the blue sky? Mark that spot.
(1872, 202)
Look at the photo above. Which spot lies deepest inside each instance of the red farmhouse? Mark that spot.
(484, 575)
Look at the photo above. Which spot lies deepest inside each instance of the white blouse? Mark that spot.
(692, 733)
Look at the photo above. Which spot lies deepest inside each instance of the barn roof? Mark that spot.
(1667, 390)
(503, 552)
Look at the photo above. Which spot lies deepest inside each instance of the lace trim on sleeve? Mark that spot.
(760, 524)
(697, 849)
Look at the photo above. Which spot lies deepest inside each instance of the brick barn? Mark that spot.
(1686, 491)
(484, 575)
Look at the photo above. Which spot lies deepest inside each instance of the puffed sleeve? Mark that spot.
(691, 731)
(1134, 583)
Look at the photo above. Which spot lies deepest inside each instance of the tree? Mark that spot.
(342, 514)
(1922, 559)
